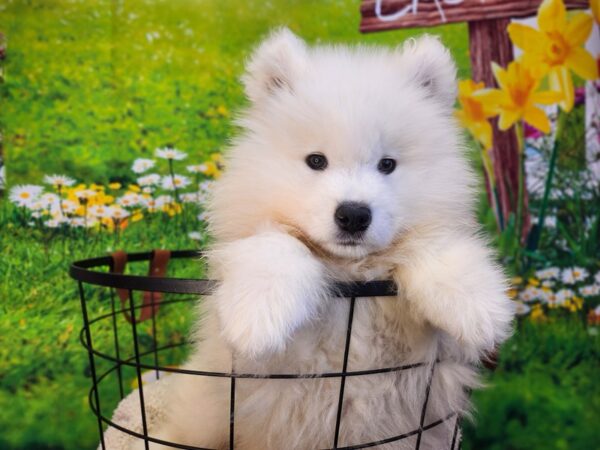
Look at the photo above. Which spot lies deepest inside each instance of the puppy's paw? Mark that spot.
(271, 285)
(460, 290)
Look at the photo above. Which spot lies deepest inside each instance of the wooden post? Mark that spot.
(505, 153)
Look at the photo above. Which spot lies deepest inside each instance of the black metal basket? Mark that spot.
(182, 291)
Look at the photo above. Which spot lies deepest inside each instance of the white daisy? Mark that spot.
(202, 216)
(140, 165)
(549, 221)
(597, 277)
(549, 273)
(197, 168)
(59, 181)
(119, 213)
(548, 283)
(49, 200)
(149, 180)
(547, 296)
(189, 197)
(129, 199)
(77, 222)
(68, 206)
(563, 295)
(85, 194)
(530, 294)
(195, 235)
(573, 275)
(206, 186)
(590, 291)
(163, 200)
(25, 195)
(178, 181)
(170, 153)
(149, 203)
(100, 211)
(53, 223)
(521, 309)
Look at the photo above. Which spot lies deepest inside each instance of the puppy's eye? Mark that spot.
(316, 161)
(386, 165)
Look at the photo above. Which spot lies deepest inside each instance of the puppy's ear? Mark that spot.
(430, 66)
(276, 64)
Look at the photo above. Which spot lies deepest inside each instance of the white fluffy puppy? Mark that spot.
(350, 167)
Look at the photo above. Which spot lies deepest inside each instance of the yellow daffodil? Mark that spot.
(595, 5)
(557, 47)
(474, 114)
(518, 96)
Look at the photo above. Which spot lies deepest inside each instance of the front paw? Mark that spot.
(271, 285)
(461, 291)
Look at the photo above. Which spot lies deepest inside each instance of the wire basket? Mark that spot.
(128, 350)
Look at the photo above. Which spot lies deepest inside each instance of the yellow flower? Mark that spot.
(210, 168)
(595, 5)
(516, 280)
(537, 313)
(517, 97)
(474, 114)
(115, 185)
(134, 188)
(557, 47)
(577, 301)
(222, 110)
(172, 209)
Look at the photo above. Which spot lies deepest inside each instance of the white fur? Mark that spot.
(272, 314)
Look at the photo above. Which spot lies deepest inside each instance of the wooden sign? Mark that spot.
(488, 42)
(380, 15)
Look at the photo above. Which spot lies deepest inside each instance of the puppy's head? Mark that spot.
(349, 146)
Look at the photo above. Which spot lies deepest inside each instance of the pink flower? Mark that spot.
(532, 132)
(579, 96)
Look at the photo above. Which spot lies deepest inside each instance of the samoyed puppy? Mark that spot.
(350, 166)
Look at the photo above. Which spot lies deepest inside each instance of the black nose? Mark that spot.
(353, 217)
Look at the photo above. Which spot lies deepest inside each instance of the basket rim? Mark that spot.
(81, 271)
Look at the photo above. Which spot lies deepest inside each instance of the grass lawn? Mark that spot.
(92, 85)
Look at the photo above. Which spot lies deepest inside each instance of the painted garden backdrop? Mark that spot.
(113, 118)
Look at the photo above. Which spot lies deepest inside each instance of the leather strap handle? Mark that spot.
(150, 300)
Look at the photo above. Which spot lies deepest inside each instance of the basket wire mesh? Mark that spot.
(86, 273)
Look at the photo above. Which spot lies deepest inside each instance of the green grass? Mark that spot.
(86, 92)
